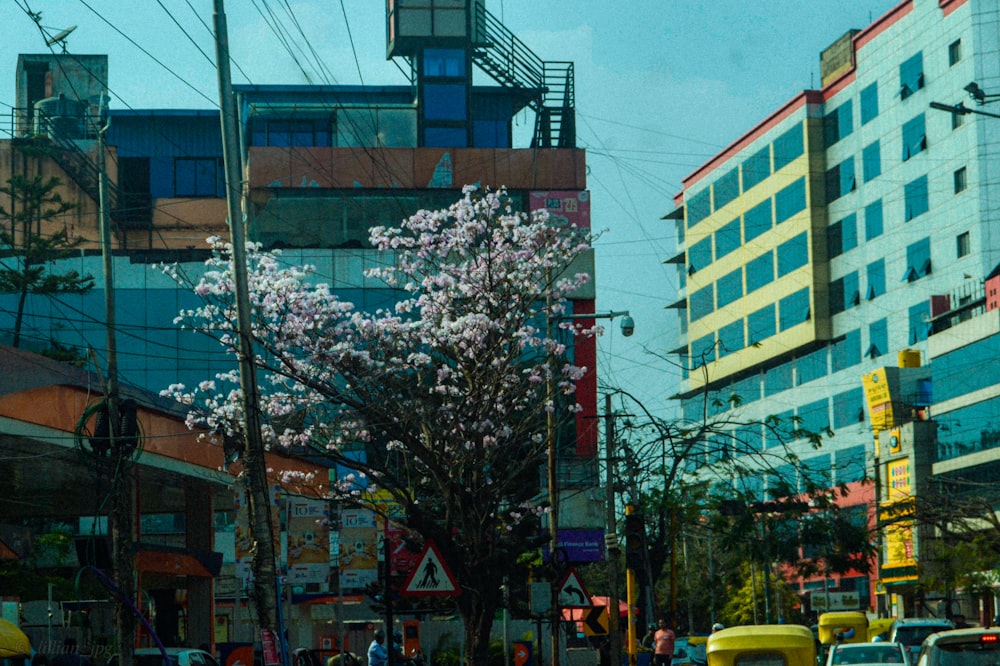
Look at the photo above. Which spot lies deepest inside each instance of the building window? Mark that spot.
(761, 324)
(729, 288)
(811, 366)
(703, 351)
(846, 352)
(842, 236)
(962, 246)
(793, 254)
(793, 309)
(727, 239)
(756, 168)
(757, 220)
(957, 120)
(699, 255)
(960, 180)
(878, 338)
(840, 180)
(699, 207)
(198, 177)
(727, 188)
(838, 124)
(915, 198)
(444, 63)
(844, 293)
(788, 146)
(876, 279)
(871, 161)
(731, 338)
(790, 200)
(911, 75)
(701, 303)
(914, 137)
(869, 103)
(919, 321)
(873, 219)
(918, 260)
(777, 379)
(848, 408)
(954, 52)
(760, 272)
(815, 416)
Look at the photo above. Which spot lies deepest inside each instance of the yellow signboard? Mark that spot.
(879, 397)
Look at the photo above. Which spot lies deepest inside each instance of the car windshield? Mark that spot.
(916, 635)
(968, 654)
(868, 654)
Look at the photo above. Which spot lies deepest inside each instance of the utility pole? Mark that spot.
(120, 523)
(611, 536)
(265, 583)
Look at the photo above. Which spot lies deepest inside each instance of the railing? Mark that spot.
(551, 84)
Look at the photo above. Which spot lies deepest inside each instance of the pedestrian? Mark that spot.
(378, 654)
(647, 640)
(663, 644)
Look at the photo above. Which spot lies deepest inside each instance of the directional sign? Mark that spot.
(595, 621)
(572, 593)
(431, 577)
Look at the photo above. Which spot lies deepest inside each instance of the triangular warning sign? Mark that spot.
(572, 593)
(431, 577)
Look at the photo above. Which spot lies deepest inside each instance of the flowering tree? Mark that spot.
(442, 400)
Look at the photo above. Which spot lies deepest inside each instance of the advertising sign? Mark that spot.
(308, 541)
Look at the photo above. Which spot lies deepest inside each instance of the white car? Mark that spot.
(962, 647)
(844, 654)
(176, 656)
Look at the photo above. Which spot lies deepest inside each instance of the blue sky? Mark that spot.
(662, 85)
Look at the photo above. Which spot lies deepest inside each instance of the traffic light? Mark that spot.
(635, 541)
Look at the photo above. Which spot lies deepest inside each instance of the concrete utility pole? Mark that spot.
(611, 536)
(265, 584)
(120, 523)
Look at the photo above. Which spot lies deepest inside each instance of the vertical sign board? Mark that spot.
(308, 541)
(243, 536)
(358, 543)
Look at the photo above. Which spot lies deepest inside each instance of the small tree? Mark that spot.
(29, 251)
(441, 401)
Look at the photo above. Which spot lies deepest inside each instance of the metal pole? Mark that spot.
(631, 594)
(611, 536)
(550, 430)
(265, 593)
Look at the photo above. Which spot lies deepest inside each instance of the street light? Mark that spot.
(628, 328)
(978, 95)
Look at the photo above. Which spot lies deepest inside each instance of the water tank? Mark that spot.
(60, 117)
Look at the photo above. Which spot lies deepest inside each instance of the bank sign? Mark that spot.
(834, 601)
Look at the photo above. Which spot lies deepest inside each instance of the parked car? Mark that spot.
(867, 653)
(176, 656)
(911, 632)
(962, 647)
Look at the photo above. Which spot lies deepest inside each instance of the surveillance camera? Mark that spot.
(628, 326)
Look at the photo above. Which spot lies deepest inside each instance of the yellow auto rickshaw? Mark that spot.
(15, 648)
(879, 627)
(843, 627)
(762, 645)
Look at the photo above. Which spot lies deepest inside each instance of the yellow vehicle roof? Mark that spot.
(13, 642)
(761, 637)
(830, 624)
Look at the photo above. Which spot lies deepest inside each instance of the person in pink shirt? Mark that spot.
(663, 644)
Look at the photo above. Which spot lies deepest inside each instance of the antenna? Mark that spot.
(60, 38)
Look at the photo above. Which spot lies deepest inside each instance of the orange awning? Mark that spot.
(170, 563)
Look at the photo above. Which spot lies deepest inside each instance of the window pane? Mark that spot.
(919, 315)
(914, 137)
(815, 416)
(871, 158)
(701, 303)
(445, 102)
(793, 309)
(846, 353)
(756, 168)
(873, 219)
(700, 254)
(915, 197)
(878, 338)
(727, 239)
(811, 366)
(869, 103)
(876, 279)
(793, 253)
(757, 220)
(788, 146)
(727, 188)
(730, 288)
(444, 63)
(789, 201)
(911, 75)
(703, 351)
(731, 338)
(760, 272)
(848, 408)
(960, 179)
(761, 324)
(918, 259)
(698, 208)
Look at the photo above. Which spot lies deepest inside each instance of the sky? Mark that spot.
(661, 87)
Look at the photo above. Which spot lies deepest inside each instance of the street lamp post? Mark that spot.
(628, 327)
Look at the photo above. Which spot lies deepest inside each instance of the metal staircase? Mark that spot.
(550, 85)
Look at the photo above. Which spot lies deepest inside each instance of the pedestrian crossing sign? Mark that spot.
(431, 577)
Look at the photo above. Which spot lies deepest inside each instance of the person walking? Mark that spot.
(663, 644)
(378, 654)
